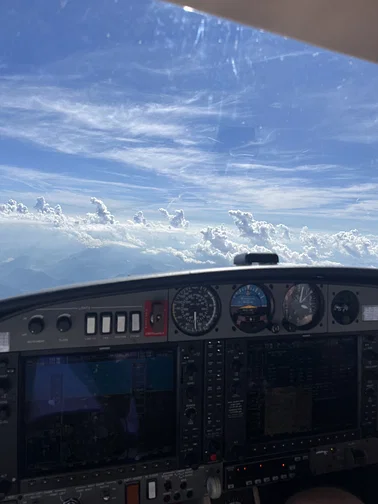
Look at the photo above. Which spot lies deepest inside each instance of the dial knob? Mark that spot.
(214, 487)
(191, 392)
(5, 385)
(191, 413)
(275, 328)
(36, 324)
(71, 500)
(64, 323)
(4, 413)
(191, 369)
(167, 485)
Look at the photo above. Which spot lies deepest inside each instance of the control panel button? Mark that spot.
(135, 322)
(106, 323)
(168, 485)
(121, 323)
(91, 324)
(151, 490)
(36, 324)
(132, 493)
(64, 323)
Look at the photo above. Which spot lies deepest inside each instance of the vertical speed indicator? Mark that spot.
(195, 310)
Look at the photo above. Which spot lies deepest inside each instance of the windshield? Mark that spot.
(138, 137)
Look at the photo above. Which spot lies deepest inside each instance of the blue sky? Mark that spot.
(144, 105)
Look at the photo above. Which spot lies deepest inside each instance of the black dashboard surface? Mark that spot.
(220, 303)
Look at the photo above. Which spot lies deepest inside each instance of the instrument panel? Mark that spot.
(199, 308)
(176, 387)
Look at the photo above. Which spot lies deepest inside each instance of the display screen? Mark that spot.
(370, 313)
(90, 410)
(300, 388)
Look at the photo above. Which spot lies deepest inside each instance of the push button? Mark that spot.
(135, 322)
(91, 324)
(151, 489)
(106, 323)
(121, 323)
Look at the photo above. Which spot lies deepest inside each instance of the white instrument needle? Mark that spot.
(195, 320)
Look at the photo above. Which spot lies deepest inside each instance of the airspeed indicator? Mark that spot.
(195, 310)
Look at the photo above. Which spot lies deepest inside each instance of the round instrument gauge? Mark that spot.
(345, 307)
(195, 310)
(250, 308)
(302, 306)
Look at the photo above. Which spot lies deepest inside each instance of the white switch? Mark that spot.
(135, 322)
(151, 490)
(106, 324)
(91, 323)
(121, 322)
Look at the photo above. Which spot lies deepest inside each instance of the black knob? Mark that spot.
(36, 324)
(5, 385)
(4, 412)
(176, 496)
(5, 486)
(71, 500)
(275, 328)
(64, 323)
(236, 365)
(191, 392)
(191, 369)
(166, 498)
(191, 413)
(3, 364)
(168, 485)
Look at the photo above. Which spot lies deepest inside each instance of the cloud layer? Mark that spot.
(44, 247)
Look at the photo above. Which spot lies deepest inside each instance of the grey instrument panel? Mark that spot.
(130, 316)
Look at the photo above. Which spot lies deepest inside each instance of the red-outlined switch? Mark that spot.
(156, 318)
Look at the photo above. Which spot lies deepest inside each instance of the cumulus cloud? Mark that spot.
(13, 206)
(166, 245)
(176, 220)
(102, 215)
(139, 218)
(43, 207)
(259, 232)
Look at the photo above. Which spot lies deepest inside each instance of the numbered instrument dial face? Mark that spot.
(196, 310)
(302, 306)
